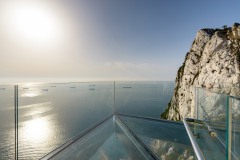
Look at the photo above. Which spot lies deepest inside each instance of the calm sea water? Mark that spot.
(51, 114)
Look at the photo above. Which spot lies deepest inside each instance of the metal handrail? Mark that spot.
(152, 119)
(195, 146)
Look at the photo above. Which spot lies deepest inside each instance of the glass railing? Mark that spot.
(7, 123)
(116, 120)
(216, 127)
(148, 99)
(233, 128)
(44, 120)
(94, 120)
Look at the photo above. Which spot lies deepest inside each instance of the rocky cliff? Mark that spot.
(214, 59)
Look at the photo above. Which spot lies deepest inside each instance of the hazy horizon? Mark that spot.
(40, 80)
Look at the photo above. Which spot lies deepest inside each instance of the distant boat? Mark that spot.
(127, 87)
(25, 88)
(44, 90)
(72, 87)
(92, 89)
(92, 85)
(52, 86)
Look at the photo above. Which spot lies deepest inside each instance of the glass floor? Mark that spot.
(124, 137)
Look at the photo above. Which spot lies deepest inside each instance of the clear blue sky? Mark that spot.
(112, 39)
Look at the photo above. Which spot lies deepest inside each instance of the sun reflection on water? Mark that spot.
(37, 130)
(30, 94)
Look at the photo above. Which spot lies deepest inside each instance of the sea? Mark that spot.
(51, 114)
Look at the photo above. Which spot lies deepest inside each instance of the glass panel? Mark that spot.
(211, 130)
(211, 106)
(168, 140)
(51, 114)
(7, 123)
(211, 147)
(234, 128)
(148, 99)
(107, 141)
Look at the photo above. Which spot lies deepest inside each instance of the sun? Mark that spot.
(33, 22)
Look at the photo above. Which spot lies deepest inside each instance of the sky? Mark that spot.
(103, 39)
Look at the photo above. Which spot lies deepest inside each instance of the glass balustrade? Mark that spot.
(116, 120)
(233, 129)
(148, 99)
(7, 123)
(215, 127)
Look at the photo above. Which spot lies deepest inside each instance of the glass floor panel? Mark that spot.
(128, 138)
(168, 140)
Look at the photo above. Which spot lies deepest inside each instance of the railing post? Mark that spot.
(114, 96)
(229, 128)
(16, 119)
(196, 109)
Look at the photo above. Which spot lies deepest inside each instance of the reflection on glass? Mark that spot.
(168, 140)
(211, 106)
(108, 141)
(170, 150)
(211, 133)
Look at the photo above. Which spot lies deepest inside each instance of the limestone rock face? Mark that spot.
(214, 59)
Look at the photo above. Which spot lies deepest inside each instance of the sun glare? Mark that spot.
(36, 130)
(31, 21)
